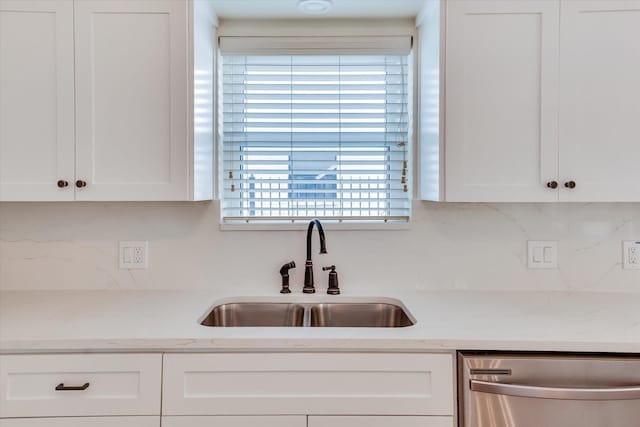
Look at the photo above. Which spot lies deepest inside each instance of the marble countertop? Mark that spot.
(98, 321)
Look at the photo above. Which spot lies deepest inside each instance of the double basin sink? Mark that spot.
(317, 314)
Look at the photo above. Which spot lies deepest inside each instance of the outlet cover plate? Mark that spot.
(542, 254)
(134, 254)
(631, 255)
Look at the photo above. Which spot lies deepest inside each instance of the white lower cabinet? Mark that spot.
(308, 390)
(82, 422)
(67, 385)
(379, 421)
(303, 421)
(308, 384)
(236, 421)
(227, 390)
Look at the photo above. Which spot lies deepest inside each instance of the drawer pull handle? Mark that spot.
(62, 387)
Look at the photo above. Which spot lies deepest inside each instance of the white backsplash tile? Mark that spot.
(449, 246)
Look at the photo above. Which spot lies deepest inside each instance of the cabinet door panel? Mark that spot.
(236, 421)
(82, 422)
(501, 100)
(600, 100)
(131, 67)
(380, 421)
(36, 106)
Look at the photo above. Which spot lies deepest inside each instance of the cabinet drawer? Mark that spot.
(236, 421)
(308, 383)
(118, 384)
(82, 422)
(379, 421)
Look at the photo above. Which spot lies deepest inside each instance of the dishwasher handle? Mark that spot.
(561, 393)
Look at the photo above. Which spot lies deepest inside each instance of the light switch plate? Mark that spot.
(134, 254)
(542, 254)
(631, 255)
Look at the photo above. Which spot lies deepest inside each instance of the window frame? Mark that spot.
(350, 224)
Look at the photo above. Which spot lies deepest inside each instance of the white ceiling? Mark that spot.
(287, 9)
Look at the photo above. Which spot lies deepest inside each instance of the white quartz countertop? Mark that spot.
(80, 321)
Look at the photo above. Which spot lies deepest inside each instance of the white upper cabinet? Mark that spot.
(36, 100)
(501, 100)
(541, 101)
(131, 78)
(600, 100)
(140, 68)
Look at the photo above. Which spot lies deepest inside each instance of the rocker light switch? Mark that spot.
(542, 254)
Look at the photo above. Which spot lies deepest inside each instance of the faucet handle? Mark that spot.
(284, 272)
(333, 288)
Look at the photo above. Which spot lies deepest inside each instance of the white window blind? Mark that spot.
(321, 136)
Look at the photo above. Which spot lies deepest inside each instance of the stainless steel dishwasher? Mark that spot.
(548, 390)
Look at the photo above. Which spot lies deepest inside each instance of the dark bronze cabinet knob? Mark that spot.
(80, 183)
(62, 183)
(552, 184)
(570, 184)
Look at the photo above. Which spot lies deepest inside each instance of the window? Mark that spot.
(306, 136)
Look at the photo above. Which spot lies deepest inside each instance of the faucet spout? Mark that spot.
(323, 244)
(308, 265)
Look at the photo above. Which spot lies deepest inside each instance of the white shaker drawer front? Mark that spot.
(82, 422)
(378, 421)
(236, 421)
(80, 385)
(308, 383)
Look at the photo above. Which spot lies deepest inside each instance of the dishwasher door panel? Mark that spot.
(515, 390)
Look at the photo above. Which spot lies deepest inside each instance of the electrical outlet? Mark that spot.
(134, 254)
(631, 255)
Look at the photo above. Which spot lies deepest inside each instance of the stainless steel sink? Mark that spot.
(316, 314)
(359, 315)
(255, 314)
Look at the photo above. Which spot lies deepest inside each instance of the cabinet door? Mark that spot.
(236, 421)
(501, 100)
(82, 422)
(36, 102)
(380, 421)
(600, 100)
(131, 99)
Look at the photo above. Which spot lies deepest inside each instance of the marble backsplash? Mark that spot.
(447, 246)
